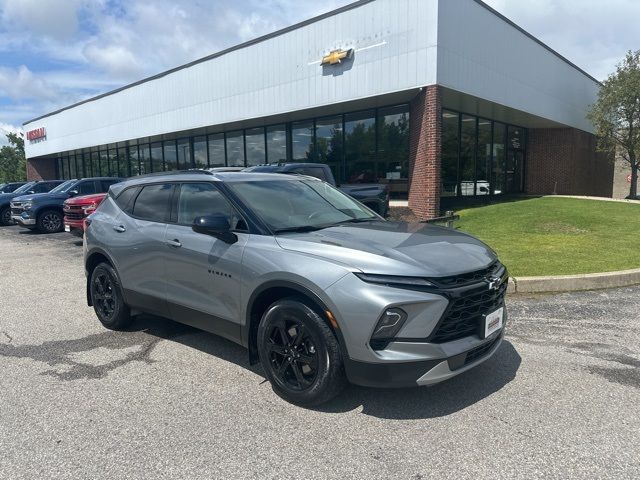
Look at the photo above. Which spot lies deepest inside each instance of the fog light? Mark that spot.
(387, 328)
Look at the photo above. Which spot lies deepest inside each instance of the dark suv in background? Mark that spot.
(26, 189)
(44, 211)
(10, 187)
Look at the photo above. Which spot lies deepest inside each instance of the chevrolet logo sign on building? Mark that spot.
(336, 56)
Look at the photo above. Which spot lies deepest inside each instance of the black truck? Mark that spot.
(373, 195)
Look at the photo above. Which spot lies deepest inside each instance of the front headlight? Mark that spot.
(394, 280)
(27, 205)
(89, 208)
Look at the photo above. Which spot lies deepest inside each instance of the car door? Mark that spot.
(203, 273)
(137, 244)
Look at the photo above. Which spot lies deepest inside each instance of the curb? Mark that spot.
(574, 283)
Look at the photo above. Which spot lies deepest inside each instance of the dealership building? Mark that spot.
(441, 100)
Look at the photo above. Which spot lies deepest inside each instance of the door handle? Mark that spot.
(175, 243)
(119, 228)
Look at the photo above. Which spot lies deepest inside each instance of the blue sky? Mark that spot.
(56, 52)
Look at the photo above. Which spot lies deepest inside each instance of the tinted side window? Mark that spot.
(106, 184)
(41, 187)
(153, 203)
(200, 199)
(86, 188)
(126, 198)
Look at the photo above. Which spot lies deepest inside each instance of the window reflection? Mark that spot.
(276, 144)
(360, 147)
(254, 141)
(200, 151)
(329, 148)
(216, 150)
(498, 173)
(393, 149)
(170, 155)
(184, 154)
(302, 134)
(145, 158)
(156, 157)
(483, 168)
(235, 149)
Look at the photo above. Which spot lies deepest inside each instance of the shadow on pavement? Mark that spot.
(409, 403)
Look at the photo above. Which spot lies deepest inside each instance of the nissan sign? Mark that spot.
(36, 134)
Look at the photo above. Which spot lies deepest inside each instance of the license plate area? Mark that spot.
(492, 323)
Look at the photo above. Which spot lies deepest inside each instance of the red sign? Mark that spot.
(36, 134)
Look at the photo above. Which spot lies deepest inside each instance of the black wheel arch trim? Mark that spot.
(248, 333)
(91, 253)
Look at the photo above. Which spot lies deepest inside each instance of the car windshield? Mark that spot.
(24, 188)
(300, 205)
(64, 187)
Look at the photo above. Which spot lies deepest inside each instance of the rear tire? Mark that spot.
(300, 353)
(5, 216)
(50, 221)
(107, 298)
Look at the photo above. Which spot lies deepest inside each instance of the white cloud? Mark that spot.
(53, 18)
(21, 83)
(7, 128)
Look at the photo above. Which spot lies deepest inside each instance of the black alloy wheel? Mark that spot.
(107, 299)
(293, 355)
(299, 352)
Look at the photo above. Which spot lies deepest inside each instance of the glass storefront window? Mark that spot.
(497, 171)
(184, 154)
(95, 164)
(360, 147)
(157, 165)
(123, 165)
(134, 163)
(302, 134)
(468, 138)
(235, 149)
(113, 162)
(216, 150)
(65, 168)
(483, 166)
(145, 158)
(450, 150)
(276, 144)
(170, 155)
(254, 141)
(200, 152)
(329, 144)
(393, 149)
(104, 163)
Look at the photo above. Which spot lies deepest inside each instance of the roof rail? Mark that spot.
(196, 171)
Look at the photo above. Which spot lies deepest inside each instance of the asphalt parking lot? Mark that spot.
(560, 399)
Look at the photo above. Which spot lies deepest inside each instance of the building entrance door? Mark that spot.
(515, 167)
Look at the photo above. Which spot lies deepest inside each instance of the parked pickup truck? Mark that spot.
(373, 195)
(27, 188)
(77, 209)
(43, 212)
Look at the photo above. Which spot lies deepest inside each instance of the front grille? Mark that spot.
(480, 351)
(471, 277)
(464, 314)
(16, 211)
(74, 212)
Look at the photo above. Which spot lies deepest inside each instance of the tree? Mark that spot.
(616, 114)
(13, 164)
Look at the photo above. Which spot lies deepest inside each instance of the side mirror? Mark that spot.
(216, 226)
(73, 193)
(31, 192)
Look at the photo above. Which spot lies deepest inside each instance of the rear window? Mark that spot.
(126, 198)
(153, 203)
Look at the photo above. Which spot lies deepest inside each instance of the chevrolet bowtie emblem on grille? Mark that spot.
(336, 56)
(494, 283)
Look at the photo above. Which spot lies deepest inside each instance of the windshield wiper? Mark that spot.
(301, 228)
(357, 220)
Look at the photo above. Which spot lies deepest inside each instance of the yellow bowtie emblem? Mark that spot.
(335, 56)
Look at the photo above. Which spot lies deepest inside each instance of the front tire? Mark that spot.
(107, 298)
(50, 221)
(5, 216)
(300, 353)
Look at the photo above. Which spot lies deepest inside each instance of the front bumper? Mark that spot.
(22, 220)
(74, 224)
(423, 372)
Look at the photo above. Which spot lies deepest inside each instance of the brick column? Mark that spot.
(424, 153)
(41, 169)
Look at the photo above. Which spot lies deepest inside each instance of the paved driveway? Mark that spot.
(560, 399)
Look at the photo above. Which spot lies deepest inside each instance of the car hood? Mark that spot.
(5, 197)
(34, 197)
(85, 199)
(394, 248)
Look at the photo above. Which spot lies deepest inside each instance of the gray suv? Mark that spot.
(320, 289)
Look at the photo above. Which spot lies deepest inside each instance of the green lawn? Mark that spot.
(558, 236)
